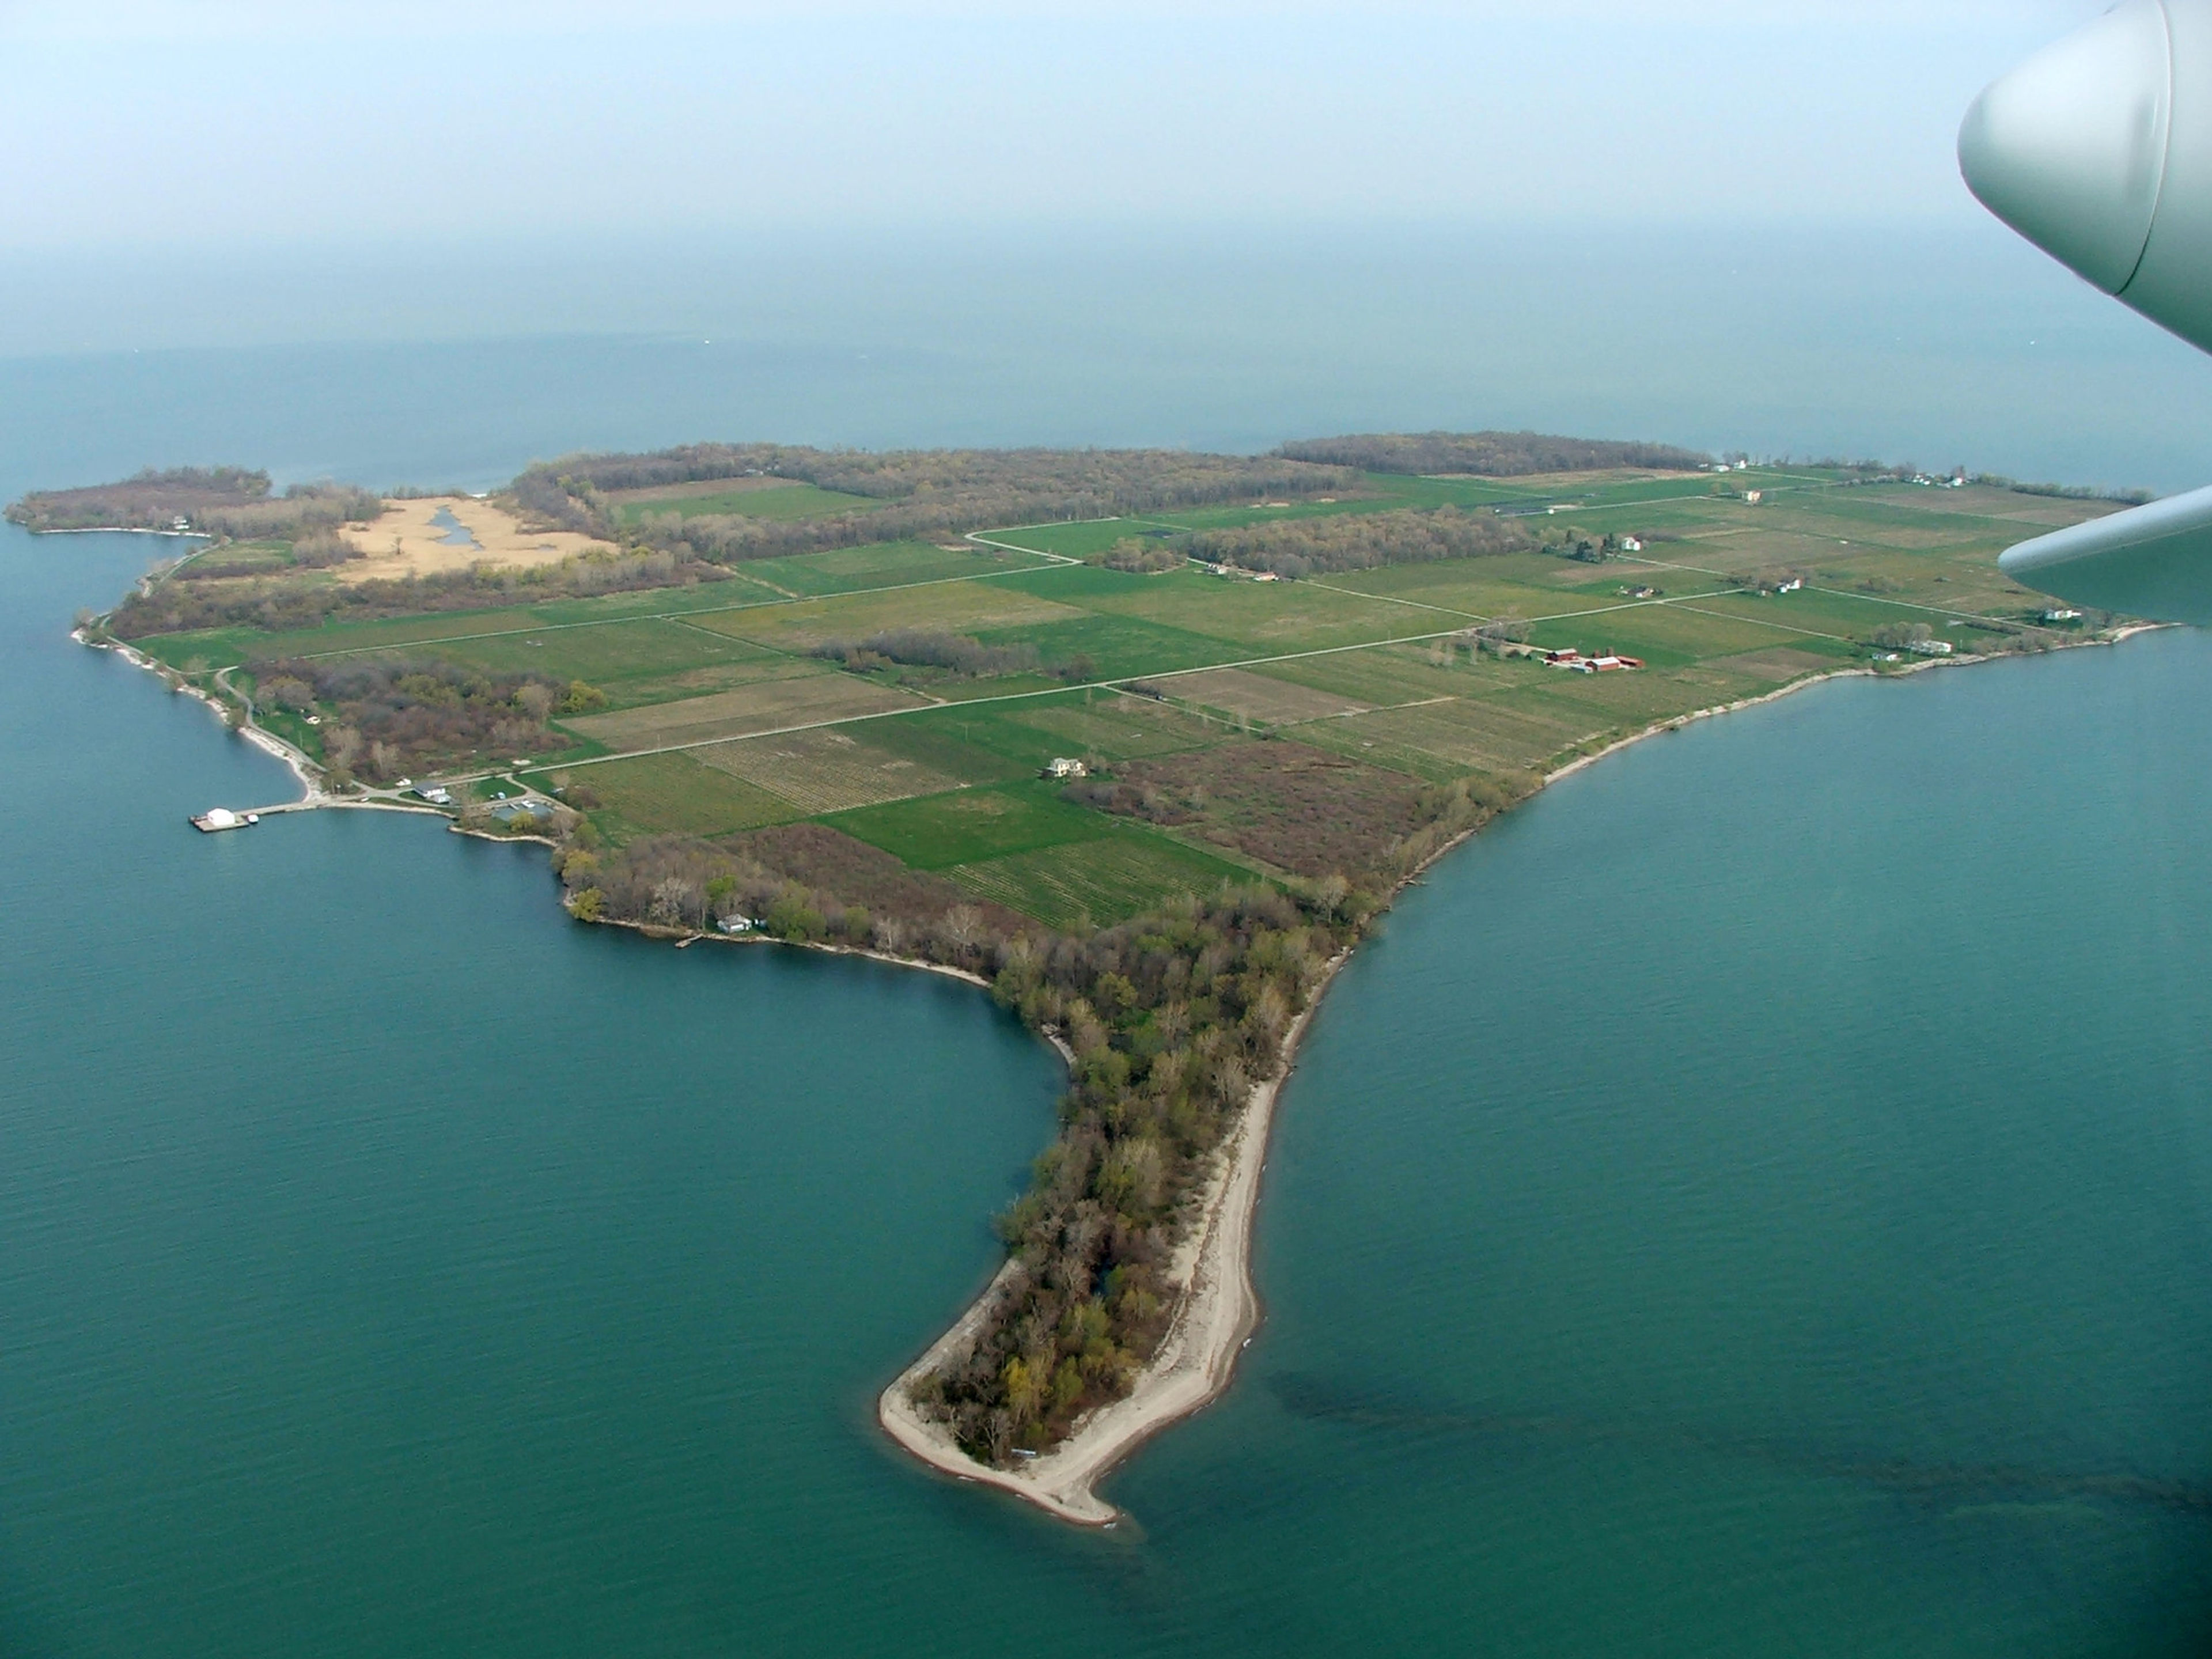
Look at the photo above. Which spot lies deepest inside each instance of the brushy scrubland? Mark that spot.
(922, 492)
(1488, 454)
(282, 605)
(1172, 1018)
(921, 648)
(397, 718)
(1318, 546)
(1360, 541)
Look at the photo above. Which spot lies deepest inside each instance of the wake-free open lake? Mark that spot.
(1757, 1200)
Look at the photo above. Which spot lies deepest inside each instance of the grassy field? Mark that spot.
(970, 826)
(1178, 682)
(956, 607)
(826, 771)
(802, 699)
(672, 792)
(1098, 882)
(888, 564)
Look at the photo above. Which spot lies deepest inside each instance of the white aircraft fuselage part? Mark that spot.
(2099, 150)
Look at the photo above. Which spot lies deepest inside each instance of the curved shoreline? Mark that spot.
(1217, 1305)
(1218, 1308)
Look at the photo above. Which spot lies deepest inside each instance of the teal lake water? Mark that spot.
(1756, 1200)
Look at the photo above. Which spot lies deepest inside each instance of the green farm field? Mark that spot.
(1099, 881)
(942, 832)
(670, 793)
(888, 564)
(1142, 677)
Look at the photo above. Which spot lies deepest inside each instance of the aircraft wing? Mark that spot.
(2099, 150)
(2153, 560)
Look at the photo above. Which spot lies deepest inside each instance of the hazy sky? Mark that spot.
(243, 123)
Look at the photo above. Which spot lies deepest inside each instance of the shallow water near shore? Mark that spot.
(1756, 1200)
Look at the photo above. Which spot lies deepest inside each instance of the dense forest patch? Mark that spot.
(912, 493)
(392, 719)
(1488, 454)
(227, 501)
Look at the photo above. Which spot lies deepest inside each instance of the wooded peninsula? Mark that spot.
(1143, 740)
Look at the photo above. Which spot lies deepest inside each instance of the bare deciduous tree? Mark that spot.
(963, 926)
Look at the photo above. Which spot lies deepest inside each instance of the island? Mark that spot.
(1142, 742)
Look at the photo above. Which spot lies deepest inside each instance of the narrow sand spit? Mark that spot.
(1217, 1309)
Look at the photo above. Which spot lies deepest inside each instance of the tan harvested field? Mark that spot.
(1561, 482)
(404, 542)
(1600, 701)
(697, 487)
(1975, 502)
(715, 676)
(1258, 697)
(1495, 731)
(1904, 536)
(768, 705)
(824, 771)
(1780, 550)
(1119, 724)
(1396, 674)
(952, 607)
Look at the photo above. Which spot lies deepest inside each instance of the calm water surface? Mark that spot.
(1756, 1200)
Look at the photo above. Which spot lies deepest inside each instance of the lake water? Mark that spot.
(1757, 1200)
(1945, 343)
(454, 532)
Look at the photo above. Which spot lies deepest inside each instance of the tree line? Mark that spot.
(960, 654)
(276, 605)
(221, 501)
(1490, 454)
(922, 492)
(1358, 541)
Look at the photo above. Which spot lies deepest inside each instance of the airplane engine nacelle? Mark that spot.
(2099, 150)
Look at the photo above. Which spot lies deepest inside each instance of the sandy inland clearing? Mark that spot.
(423, 538)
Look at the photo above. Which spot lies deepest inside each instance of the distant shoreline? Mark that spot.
(117, 530)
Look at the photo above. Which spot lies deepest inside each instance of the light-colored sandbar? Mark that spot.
(1215, 1312)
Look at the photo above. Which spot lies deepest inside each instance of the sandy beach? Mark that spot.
(1216, 1313)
